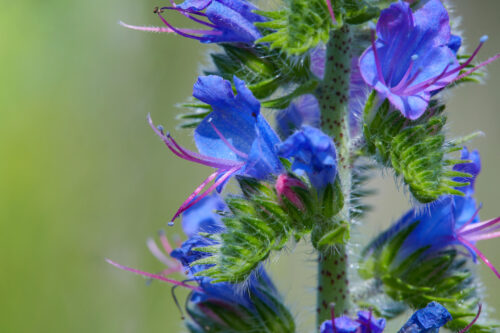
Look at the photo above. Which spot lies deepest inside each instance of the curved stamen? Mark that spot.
(154, 276)
(480, 254)
(187, 13)
(431, 81)
(188, 155)
(188, 204)
(155, 250)
(480, 306)
(483, 236)
(377, 60)
(403, 82)
(192, 36)
(227, 143)
(198, 190)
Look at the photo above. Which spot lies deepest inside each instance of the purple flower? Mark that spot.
(451, 221)
(234, 138)
(366, 323)
(229, 21)
(313, 153)
(413, 56)
(427, 320)
(303, 110)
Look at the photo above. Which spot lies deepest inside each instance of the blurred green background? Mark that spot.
(82, 177)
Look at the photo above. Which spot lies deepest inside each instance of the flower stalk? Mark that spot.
(333, 97)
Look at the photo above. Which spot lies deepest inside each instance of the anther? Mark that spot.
(160, 128)
(170, 224)
(483, 39)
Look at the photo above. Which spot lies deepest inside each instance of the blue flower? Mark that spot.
(451, 221)
(313, 153)
(234, 138)
(366, 323)
(229, 21)
(413, 56)
(427, 320)
(304, 110)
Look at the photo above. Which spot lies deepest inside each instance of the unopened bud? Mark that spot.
(285, 187)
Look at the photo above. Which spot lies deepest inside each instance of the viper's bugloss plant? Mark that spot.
(352, 85)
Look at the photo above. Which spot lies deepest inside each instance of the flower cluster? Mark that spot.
(346, 97)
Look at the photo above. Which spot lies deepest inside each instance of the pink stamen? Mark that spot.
(427, 83)
(403, 82)
(154, 276)
(186, 205)
(377, 60)
(227, 143)
(165, 243)
(187, 13)
(473, 228)
(330, 9)
(155, 250)
(198, 190)
(485, 63)
(191, 156)
(332, 313)
(446, 73)
(188, 35)
(489, 235)
(480, 254)
(169, 271)
(480, 306)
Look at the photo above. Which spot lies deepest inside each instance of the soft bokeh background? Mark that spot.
(82, 177)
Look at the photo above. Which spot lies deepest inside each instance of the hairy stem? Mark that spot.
(333, 96)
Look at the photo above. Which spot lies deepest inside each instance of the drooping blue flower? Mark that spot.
(451, 221)
(313, 153)
(304, 110)
(370, 324)
(230, 21)
(413, 56)
(365, 323)
(358, 89)
(427, 320)
(233, 139)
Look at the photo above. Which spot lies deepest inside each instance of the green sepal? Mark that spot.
(339, 235)
(333, 199)
(416, 150)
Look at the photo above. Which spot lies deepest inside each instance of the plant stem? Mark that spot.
(333, 97)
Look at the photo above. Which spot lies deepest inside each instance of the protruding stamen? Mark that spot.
(164, 242)
(377, 60)
(485, 63)
(332, 312)
(185, 33)
(191, 156)
(154, 276)
(429, 82)
(188, 204)
(480, 306)
(480, 254)
(155, 250)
